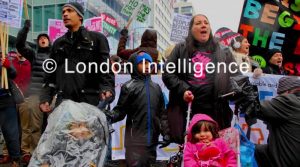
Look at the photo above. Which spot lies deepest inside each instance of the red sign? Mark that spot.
(109, 19)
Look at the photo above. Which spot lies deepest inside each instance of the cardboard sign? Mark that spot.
(143, 13)
(11, 12)
(129, 8)
(180, 27)
(136, 9)
(93, 24)
(56, 29)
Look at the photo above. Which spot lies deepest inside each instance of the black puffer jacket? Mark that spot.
(36, 60)
(143, 102)
(85, 47)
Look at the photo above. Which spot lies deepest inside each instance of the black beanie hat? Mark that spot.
(43, 35)
(287, 83)
(77, 7)
(270, 53)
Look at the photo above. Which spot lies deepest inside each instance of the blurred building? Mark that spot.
(184, 7)
(161, 21)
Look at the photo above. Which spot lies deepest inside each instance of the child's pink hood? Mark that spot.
(196, 118)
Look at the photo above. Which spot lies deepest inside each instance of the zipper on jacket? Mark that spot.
(148, 112)
(131, 128)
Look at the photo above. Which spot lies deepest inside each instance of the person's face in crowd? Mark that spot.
(276, 59)
(19, 55)
(43, 42)
(244, 47)
(204, 136)
(70, 18)
(201, 29)
(13, 54)
(144, 67)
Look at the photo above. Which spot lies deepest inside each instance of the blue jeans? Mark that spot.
(10, 130)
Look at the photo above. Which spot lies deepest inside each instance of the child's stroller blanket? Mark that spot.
(76, 136)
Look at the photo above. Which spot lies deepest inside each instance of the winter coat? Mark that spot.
(242, 58)
(6, 99)
(274, 69)
(36, 60)
(143, 102)
(216, 154)
(148, 44)
(23, 69)
(84, 47)
(177, 84)
(282, 115)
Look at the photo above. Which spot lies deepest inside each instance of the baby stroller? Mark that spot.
(246, 99)
(76, 135)
(230, 135)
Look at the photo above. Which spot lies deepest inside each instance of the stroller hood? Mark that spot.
(196, 118)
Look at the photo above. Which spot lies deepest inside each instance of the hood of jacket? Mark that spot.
(196, 118)
(149, 39)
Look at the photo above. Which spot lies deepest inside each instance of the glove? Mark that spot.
(257, 73)
(124, 32)
(208, 153)
(166, 141)
(6, 63)
(27, 24)
(109, 115)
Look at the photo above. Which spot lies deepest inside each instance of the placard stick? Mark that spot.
(4, 46)
(2, 54)
(6, 35)
(25, 10)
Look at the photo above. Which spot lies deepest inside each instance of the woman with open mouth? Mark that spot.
(193, 82)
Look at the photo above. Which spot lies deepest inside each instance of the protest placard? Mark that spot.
(11, 12)
(93, 24)
(269, 24)
(56, 29)
(180, 27)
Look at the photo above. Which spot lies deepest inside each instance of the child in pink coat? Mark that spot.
(204, 148)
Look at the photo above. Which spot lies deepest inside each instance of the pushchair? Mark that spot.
(246, 99)
(76, 135)
(230, 135)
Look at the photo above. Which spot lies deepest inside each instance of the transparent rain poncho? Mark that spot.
(76, 136)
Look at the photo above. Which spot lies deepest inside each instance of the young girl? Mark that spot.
(204, 147)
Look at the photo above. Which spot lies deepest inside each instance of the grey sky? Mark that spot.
(221, 13)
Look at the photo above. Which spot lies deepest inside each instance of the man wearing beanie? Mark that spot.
(31, 119)
(78, 45)
(274, 61)
(143, 102)
(282, 115)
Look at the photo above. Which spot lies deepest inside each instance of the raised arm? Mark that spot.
(23, 48)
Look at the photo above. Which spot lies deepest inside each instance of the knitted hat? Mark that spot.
(42, 35)
(270, 54)
(287, 83)
(77, 7)
(143, 56)
(221, 32)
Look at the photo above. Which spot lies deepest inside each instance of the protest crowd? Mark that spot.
(64, 117)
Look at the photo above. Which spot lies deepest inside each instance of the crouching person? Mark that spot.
(143, 102)
(282, 115)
